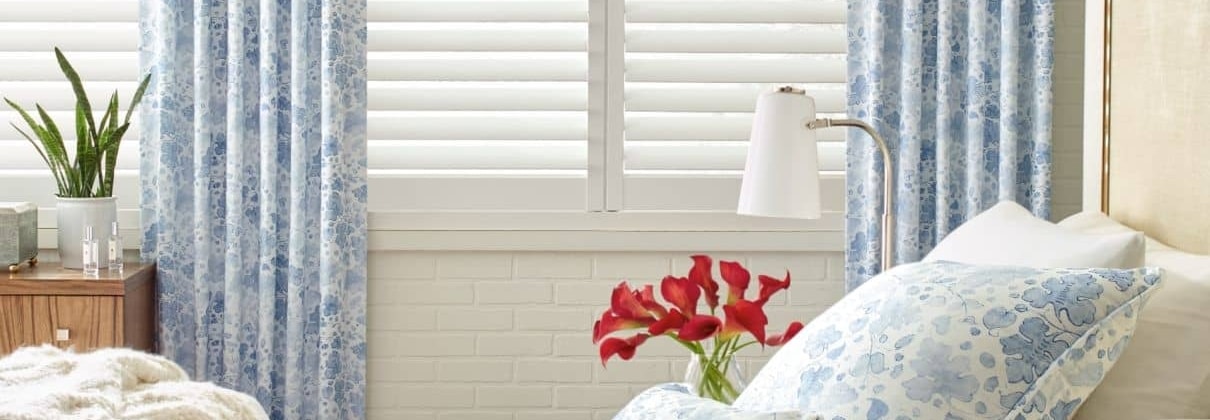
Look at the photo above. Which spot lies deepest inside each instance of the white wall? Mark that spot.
(1068, 132)
(497, 335)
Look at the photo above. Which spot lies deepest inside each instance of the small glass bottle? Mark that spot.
(91, 265)
(115, 249)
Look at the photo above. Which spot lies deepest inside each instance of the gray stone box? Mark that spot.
(18, 234)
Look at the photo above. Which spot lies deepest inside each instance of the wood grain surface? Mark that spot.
(53, 279)
(89, 321)
(113, 309)
(16, 322)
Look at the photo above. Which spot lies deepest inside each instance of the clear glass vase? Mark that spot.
(721, 380)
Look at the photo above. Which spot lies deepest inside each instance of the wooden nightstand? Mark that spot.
(50, 304)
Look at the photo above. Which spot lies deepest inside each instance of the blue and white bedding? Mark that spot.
(942, 340)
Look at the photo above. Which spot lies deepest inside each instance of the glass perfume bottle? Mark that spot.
(91, 265)
(115, 249)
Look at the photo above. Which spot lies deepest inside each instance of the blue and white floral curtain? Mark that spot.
(961, 91)
(254, 196)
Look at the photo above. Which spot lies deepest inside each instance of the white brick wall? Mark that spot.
(491, 335)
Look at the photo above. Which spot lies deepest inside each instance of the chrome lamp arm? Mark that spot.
(888, 176)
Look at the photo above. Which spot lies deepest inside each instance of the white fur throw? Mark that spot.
(48, 383)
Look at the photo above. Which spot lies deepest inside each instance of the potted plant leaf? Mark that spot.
(84, 178)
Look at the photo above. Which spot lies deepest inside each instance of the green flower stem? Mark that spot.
(695, 349)
(714, 383)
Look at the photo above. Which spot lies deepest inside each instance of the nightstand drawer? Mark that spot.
(47, 304)
(80, 322)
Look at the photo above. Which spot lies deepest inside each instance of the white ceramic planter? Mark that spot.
(74, 215)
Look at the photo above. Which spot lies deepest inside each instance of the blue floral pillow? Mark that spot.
(945, 340)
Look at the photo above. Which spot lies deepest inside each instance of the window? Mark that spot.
(101, 39)
(517, 105)
(478, 105)
(597, 105)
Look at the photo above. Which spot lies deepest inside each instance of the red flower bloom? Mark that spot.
(646, 297)
(610, 323)
(779, 339)
(700, 327)
(701, 274)
(624, 348)
(769, 286)
(737, 278)
(745, 316)
(675, 315)
(674, 320)
(682, 293)
(639, 304)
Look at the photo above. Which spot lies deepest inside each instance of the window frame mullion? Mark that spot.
(606, 105)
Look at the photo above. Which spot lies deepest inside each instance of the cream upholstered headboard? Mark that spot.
(1147, 117)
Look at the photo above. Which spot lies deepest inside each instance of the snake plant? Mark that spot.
(90, 173)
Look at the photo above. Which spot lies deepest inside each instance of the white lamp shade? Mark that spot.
(781, 177)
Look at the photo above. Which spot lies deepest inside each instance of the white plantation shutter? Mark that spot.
(100, 37)
(478, 104)
(693, 71)
(567, 105)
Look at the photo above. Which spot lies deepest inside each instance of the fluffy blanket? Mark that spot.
(48, 383)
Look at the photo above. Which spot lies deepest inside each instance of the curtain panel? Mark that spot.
(961, 91)
(253, 174)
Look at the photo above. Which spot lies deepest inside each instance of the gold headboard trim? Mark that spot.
(1105, 92)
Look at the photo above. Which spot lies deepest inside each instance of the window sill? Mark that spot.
(565, 231)
(587, 231)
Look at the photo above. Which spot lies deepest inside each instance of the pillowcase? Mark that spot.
(949, 340)
(1008, 234)
(1165, 373)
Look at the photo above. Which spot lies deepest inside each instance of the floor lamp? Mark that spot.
(781, 178)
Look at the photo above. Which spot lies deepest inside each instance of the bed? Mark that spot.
(1145, 152)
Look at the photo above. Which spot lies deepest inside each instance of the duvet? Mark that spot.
(48, 383)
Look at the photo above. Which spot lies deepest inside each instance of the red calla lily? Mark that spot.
(610, 323)
(681, 293)
(701, 274)
(699, 327)
(625, 303)
(745, 316)
(769, 286)
(737, 278)
(677, 317)
(623, 348)
(638, 304)
(646, 297)
(674, 320)
(783, 338)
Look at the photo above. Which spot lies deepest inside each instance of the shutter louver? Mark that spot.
(693, 72)
(468, 97)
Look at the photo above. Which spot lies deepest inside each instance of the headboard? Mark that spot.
(1147, 117)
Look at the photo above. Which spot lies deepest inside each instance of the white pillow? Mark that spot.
(1008, 234)
(1165, 371)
